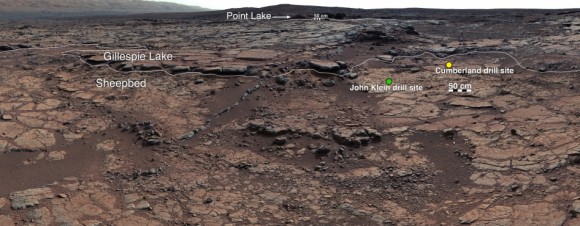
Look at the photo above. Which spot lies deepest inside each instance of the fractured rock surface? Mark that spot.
(255, 123)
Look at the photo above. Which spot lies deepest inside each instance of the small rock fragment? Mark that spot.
(143, 205)
(448, 133)
(56, 155)
(280, 140)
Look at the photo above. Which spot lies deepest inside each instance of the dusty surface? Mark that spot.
(232, 132)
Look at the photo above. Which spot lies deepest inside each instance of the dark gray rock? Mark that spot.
(149, 67)
(410, 30)
(127, 67)
(24, 46)
(329, 83)
(6, 48)
(179, 69)
(281, 80)
(300, 82)
(280, 141)
(322, 150)
(449, 133)
(342, 64)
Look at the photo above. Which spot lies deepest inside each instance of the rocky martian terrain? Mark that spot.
(42, 9)
(253, 123)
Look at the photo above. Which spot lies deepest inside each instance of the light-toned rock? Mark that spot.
(92, 223)
(48, 104)
(41, 216)
(3, 202)
(3, 146)
(531, 214)
(136, 221)
(385, 57)
(90, 210)
(56, 155)
(6, 221)
(576, 206)
(11, 129)
(108, 145)
(35, 139)
(30, 197)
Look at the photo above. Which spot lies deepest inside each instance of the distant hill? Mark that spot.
(16, 9)
(306, 12)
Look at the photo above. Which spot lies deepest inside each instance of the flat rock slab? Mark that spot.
(30, 197)
(35, 139)
(324, 65)
(234, 69)
(6, 220)
(257, 54)
(531, 214)
(470, 103)
(97, 60)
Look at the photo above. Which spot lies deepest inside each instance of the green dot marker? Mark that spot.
(389, 81)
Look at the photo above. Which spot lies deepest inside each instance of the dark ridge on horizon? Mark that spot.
(303, 11)
(298, 12)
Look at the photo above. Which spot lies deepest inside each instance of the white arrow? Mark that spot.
(280, 17)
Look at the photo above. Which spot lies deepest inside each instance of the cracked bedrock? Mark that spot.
(253, 122)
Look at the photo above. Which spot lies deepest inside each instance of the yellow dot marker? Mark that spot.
(449, 64)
